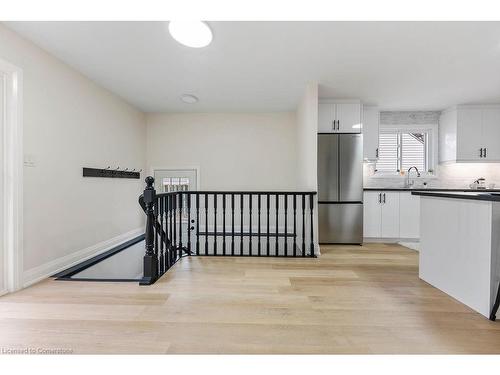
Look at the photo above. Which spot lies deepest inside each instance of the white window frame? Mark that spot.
(432, 147)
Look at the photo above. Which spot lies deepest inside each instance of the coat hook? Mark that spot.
(126, 169)
(140, 171)
(108, 167)
(133, 170)
(117, 168)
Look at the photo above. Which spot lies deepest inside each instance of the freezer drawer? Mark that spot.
(340, 223)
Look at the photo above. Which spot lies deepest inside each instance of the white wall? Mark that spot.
(234, 151)
(307, 139)
(307, 147)
(69, 123)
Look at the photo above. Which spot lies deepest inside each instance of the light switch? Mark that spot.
(29, 160)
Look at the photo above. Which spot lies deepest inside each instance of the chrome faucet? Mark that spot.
(409, 183)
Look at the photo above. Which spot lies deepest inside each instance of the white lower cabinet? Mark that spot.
(391, 215)
(409, 215)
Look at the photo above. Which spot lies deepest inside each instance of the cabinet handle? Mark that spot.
(338, 124)
(485, 152)
(384, 198)
(379, 198)
(333, 125)
(480, 152)
(376, 152)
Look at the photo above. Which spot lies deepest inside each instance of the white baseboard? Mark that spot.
(48, 269)
(3, 292)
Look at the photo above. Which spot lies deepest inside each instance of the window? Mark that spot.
(402, 149)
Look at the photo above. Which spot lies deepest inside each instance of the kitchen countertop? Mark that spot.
(432, 189)
(475, 195)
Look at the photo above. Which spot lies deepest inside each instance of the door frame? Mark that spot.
(180, 168)
(13, 175)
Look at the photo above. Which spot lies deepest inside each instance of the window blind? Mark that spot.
(388, 152)
(400, 151)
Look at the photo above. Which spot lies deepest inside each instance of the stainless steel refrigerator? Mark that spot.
(340, 188)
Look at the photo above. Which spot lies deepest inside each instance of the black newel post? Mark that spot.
(150, 258)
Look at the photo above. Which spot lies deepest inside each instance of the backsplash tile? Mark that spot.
(459, 175)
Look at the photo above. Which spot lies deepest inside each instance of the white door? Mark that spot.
(348, 117)
(371, 214)
(491, 133)
(390, 215)
(3, 263)
(409, 215)
(167, 180)
(370, 132)
(469, 134)
(325, 117)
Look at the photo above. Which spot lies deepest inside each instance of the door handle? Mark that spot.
(384, 198)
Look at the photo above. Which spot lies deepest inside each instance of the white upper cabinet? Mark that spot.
(491, 132)
(470, 134)
(339, 117)
(348, 117)
(371, 119)
(326, 117)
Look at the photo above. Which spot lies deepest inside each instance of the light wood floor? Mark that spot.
(351, 300)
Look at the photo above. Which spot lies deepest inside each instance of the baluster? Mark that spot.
(258, 211)
(276, 244)
(197, 224)
(156, 213)
(241, 224)
(303, 225)
(224, 224)
(174, 225)
(168, 230)
(150, 263)
(311, 204)
(189, 222)
(232, 223)
(267, 222)
(162, 263)
(206, 224)
(286, 224)
(250, 225)
(294, 225)
(181, 204)
(215, 224)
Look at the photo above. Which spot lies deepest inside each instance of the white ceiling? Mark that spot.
(264, 66)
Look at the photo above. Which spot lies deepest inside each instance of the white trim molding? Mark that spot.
(48, 269)
(13, 174)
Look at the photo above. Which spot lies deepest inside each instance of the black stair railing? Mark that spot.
(224, 223)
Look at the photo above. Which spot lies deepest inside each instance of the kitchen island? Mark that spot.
(460, 245)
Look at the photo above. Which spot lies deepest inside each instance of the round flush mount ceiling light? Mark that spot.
(189, 99)
(195, 34)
